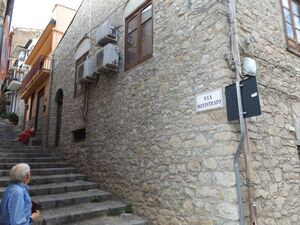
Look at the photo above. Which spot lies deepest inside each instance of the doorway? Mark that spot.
(59, 104)
(40, 109)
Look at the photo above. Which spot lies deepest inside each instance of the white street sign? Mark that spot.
(209, 100)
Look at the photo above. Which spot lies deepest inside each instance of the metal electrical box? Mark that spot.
(250, 99)
(298, 131)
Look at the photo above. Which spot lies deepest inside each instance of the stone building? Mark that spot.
(137, 131)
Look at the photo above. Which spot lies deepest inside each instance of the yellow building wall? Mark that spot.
(50, 40)
(45, 86)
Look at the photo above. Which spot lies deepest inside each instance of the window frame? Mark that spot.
(140, 59)
(78, 91)
(293, 45)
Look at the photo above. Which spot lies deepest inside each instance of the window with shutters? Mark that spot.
(139, 36)
(291, 15)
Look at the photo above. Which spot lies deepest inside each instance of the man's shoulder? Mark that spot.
(14, 188)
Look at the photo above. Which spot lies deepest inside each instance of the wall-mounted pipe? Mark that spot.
(243, 125)
(238, 153)
(237, 64)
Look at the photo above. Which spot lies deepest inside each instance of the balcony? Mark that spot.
(14, 80)
(14, 84)
(38, 73)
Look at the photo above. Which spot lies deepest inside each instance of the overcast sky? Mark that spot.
(37, 13)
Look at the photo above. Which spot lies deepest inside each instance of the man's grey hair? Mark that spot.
(19, 172)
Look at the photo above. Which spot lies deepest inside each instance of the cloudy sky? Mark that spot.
(37, 13)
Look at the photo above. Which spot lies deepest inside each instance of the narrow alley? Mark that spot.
(63, 195)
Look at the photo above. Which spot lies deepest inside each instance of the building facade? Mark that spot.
(2, 16)
(5, 37)
(35, 86)
(23, 40)
(137, 130)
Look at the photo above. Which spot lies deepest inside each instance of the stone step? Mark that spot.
(24, 150)
(28, 160)
(70, 198)
(123, 219)
(63, 195)
(10, 130)
(26, 154)
(11, 145)
(76, 213)
(61, 178)
(9, 141)
(8, 136)
(19, 146)
(7, 131)
(38, 165)
(57, 188)
(45, 171)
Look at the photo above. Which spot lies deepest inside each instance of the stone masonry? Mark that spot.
(144, 140)
(62, 195)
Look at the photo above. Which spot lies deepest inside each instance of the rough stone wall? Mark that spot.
(146, 143)
(272, 135)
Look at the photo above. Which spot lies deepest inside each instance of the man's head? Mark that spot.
(20, 173)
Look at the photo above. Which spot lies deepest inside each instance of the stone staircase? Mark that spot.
(63, 195)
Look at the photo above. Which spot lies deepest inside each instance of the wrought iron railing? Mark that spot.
(43, 63)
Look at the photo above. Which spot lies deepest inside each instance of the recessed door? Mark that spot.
(59, 101)
(40, 112)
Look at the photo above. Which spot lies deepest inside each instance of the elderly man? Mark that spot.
(16, 204)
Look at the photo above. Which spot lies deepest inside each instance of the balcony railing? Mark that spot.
(42, 64)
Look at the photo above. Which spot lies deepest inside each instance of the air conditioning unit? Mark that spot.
(85, 71)
(106, 34)
(107, 59)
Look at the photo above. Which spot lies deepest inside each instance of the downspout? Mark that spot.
(50, 91)
(243, 125)
(86, 86)
(237, 64)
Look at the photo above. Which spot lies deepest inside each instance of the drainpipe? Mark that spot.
(49, 98)
(243, 125)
